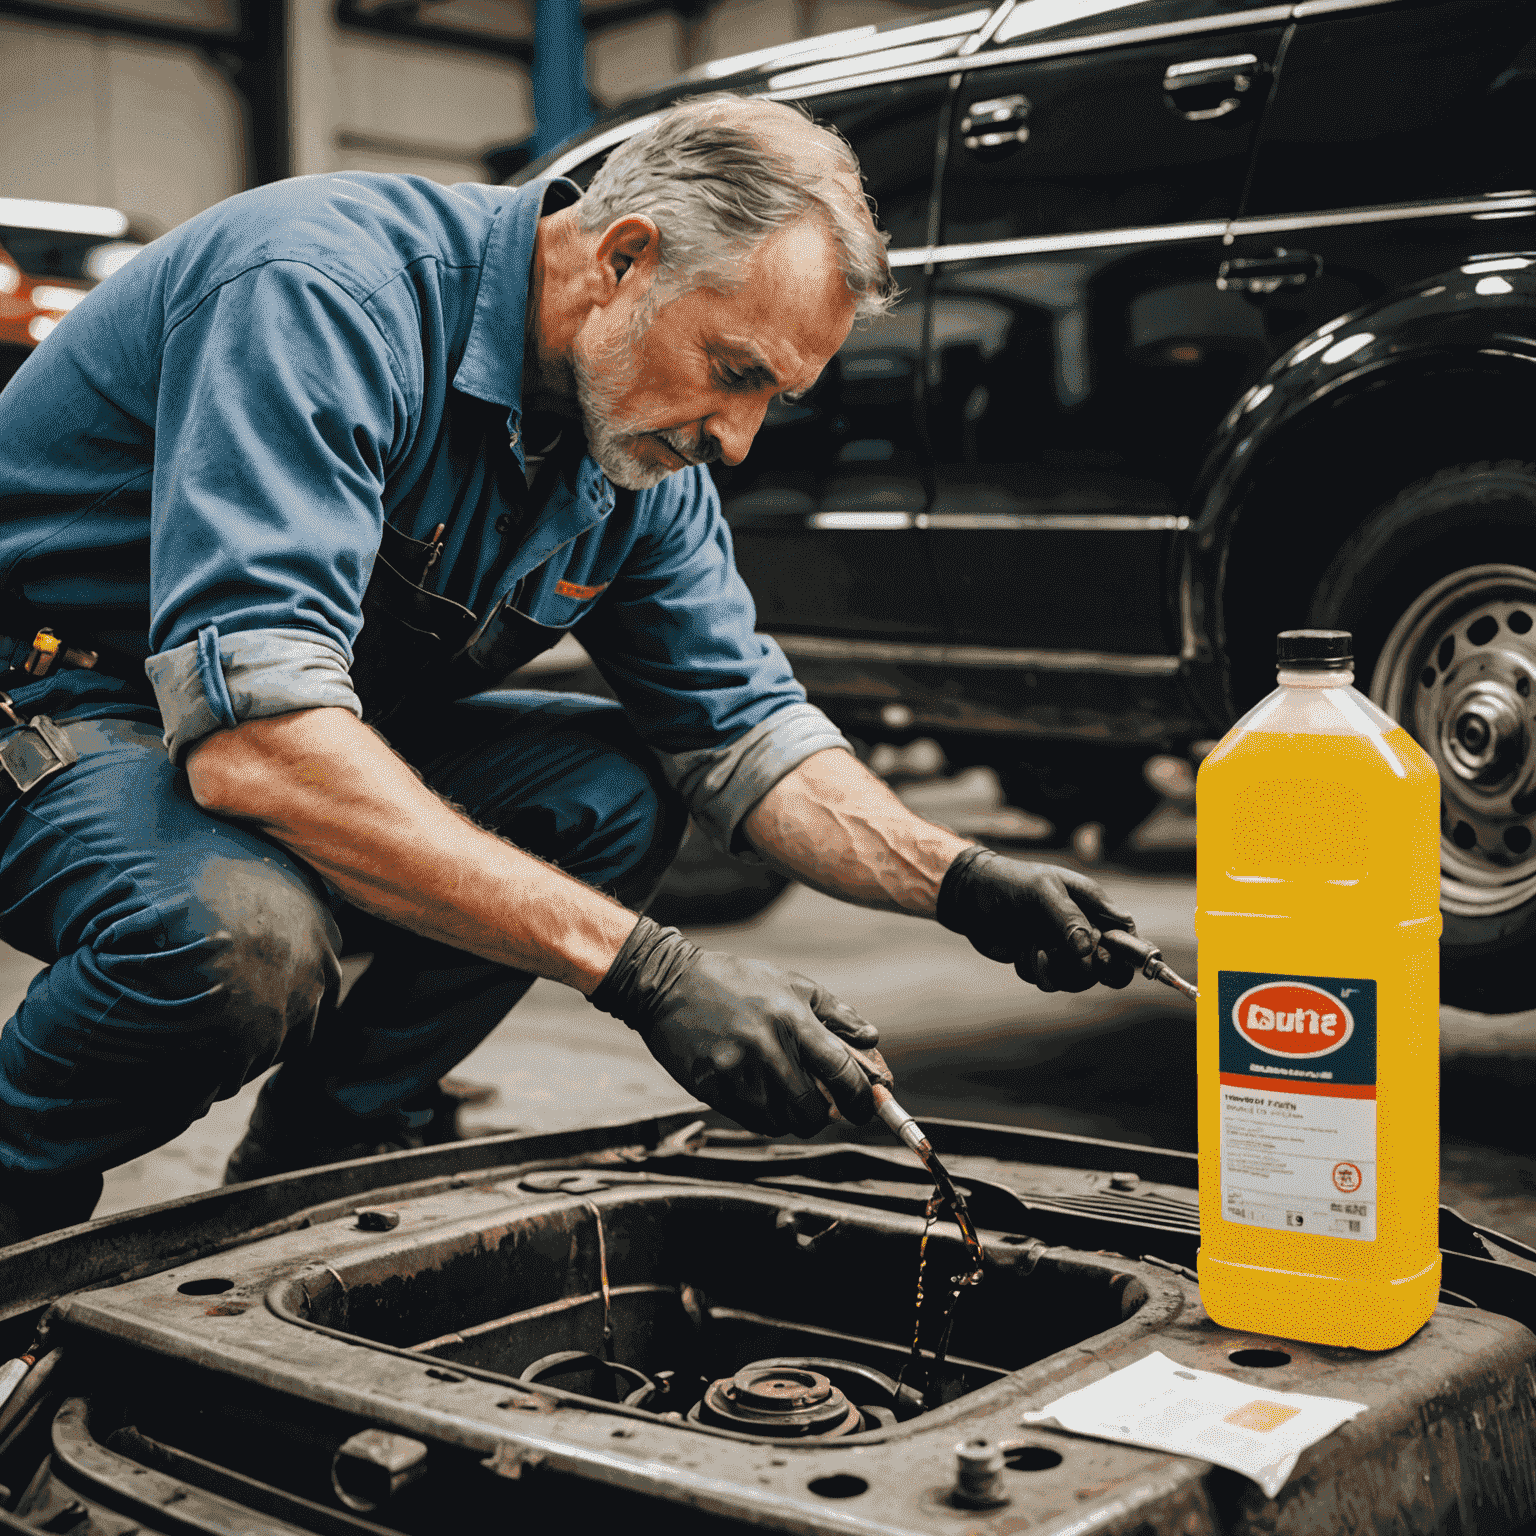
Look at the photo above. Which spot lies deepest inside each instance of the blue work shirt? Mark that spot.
(196, 465)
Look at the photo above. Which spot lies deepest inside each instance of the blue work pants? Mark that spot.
(188, 953)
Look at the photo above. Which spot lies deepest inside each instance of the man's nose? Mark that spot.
(734, 426)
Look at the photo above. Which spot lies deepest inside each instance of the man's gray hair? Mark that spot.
(719, 174)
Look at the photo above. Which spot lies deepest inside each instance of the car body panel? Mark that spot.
(878, 689)
(1041, 362)
(1450, 322)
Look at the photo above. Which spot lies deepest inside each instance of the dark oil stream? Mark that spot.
(945, 1194)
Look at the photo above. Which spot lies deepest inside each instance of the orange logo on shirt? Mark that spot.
(575, 589)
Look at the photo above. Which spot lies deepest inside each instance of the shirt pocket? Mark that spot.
(559, 597)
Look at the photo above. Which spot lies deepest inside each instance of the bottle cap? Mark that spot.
(1315, 650)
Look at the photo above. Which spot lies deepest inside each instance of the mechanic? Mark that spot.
(288, 741)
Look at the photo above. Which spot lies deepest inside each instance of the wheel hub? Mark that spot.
(1483, 736)
(1459, 671)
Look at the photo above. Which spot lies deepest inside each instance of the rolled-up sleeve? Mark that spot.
(215, 681)
(279, 407)
(676, 638)
(720, 785)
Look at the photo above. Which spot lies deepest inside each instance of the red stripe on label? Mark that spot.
(575, 589)
(1300, 1085)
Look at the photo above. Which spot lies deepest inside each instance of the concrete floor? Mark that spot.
(964, 1036)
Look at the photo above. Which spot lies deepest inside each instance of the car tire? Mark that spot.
(1438, 587)
(705, 887)
(1071, 786)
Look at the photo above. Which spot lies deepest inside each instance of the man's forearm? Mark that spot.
(832, 824)
(330, 789)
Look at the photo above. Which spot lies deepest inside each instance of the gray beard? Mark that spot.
(602, 378)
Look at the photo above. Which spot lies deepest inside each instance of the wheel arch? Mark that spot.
(1445, 373)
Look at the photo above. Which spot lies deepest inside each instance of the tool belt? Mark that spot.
(56, 645)
(414, 645)
(32, 750)
(35, 748)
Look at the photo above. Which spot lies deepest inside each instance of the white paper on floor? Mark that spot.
(1170, 1407)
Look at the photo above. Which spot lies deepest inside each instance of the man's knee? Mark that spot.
(259, 951)
(171, 1004)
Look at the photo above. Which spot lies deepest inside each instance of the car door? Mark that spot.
(1389, 155)
(1080, 351)
(824, 512)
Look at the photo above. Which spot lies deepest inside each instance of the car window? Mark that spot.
(1151, 134)
(1406, 104)
(858, 49)
(894, 131)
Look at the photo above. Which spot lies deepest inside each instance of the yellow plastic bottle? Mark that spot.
(1318, 882)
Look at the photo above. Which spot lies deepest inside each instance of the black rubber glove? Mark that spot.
(749, 1038)
(1043, 920)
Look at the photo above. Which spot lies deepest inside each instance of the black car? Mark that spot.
(1218, 319)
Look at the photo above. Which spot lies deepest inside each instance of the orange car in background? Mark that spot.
(51, 256)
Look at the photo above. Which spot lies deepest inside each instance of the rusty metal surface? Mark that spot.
(33, 1273)
(245, 1366)
(1446, 1444)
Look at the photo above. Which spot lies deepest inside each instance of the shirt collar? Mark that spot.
(492, 365)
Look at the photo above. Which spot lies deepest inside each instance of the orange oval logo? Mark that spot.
(1292, 1018)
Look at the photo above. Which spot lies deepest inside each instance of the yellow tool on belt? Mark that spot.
(47, 648)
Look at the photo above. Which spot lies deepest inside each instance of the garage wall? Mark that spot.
(385, 104)
(154, 128)
(150, 128)
(632, 59)
(401, 105)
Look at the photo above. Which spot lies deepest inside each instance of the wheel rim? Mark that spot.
(1459, 672)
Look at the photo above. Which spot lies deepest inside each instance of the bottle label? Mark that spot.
(1298, 1102)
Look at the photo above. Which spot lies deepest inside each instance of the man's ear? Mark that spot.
(626, 253)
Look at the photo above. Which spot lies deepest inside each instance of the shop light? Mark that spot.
(66, 218)
(49, 296)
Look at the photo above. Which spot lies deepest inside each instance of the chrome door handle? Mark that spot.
(1204, 89)
(996, 124)
(1268, 274)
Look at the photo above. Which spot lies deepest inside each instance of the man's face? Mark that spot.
(692, 387)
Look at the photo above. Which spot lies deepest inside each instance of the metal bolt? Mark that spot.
(978, 1466)
(12, 1374)
(376, 1218)
(373, 1466)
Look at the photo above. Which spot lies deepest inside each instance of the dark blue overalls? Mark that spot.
(196, 471)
